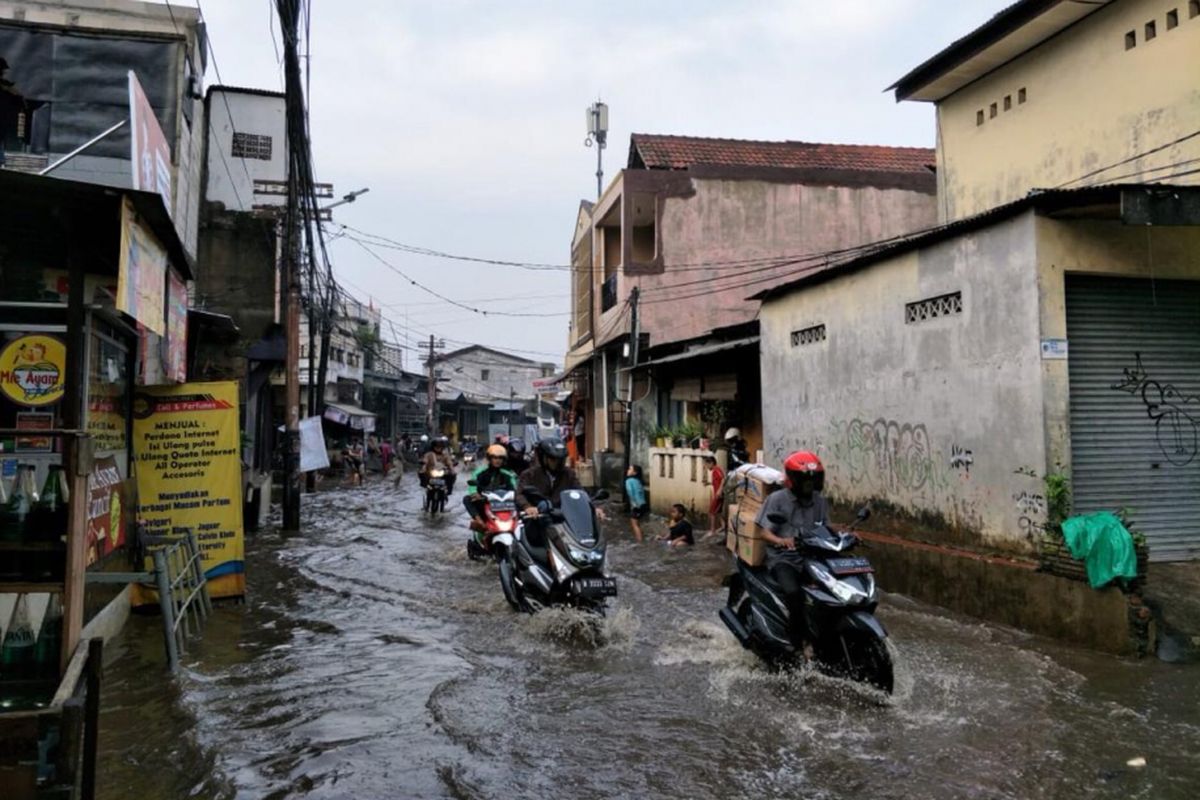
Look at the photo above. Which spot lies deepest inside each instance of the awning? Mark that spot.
(352, 416)
(697, 352)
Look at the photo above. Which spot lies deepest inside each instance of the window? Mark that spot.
(979, 117)
(1194, 9)
(1151, 30)
(251, 145)
(992, 110)
(1007, 102)
(485, 374)
(811, 335)
(1131, 40)
(1021, 95)
(1172, 19)
(944, 305)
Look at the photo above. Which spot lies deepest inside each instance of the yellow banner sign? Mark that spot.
(142, 275)
(33, 370)
(187, 446)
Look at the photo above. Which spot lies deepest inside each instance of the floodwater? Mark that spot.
(374, 660)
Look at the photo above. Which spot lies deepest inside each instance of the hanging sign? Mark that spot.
(142, 274)
(175, 356)
(149, 152)
(106, 523)
(33, 370)
(187, 445)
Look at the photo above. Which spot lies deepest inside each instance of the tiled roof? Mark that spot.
(652, 151)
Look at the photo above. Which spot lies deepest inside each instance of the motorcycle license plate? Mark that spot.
(596, 587)
(849, 566)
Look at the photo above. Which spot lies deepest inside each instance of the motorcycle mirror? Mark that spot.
(863, 513)
(778, 519)
(601, 495)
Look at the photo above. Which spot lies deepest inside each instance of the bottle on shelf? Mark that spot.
(51, 508)
(17, 650)
(49, 640)
(14, 522)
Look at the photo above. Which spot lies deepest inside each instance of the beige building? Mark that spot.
(1062, 94)
(1041, 329)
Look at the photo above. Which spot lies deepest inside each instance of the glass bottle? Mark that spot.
(49, 641)
(51, 510)
(17, 650)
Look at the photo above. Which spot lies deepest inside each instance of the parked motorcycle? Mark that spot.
(435, 492)
(559, 557)
(500, 525)
(840, 597)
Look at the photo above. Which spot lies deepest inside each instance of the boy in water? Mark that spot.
(680, 532)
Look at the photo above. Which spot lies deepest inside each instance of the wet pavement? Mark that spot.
(374, 660)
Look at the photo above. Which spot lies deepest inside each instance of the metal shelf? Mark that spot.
(31, 587)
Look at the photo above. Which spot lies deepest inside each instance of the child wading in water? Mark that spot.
(680, 532)
(635, 493)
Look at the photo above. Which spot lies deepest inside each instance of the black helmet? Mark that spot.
(439, 441)
(551, 447)
(516, 448)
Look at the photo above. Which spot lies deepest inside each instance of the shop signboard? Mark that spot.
(187, 446)
(313, 454)
(175, 357)
(34, 442)
(106, 522)
(149, 151)
(142, 276)
(33, 370)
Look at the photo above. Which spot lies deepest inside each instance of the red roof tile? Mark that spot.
(652, 151)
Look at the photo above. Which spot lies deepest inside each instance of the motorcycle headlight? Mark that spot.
(840, 589)
(583, 557)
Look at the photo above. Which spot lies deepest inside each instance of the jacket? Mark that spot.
(487, 477)
(540, 481)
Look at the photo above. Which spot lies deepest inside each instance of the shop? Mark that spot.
(93, 303)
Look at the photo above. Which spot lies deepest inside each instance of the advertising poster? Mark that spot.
(33, 370)
(175, 362)
(313, 454)
(106, 523)
(34, 421)
(149, 151)
(187, 446)
(142, 276)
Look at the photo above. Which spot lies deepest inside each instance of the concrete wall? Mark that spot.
(506, 377)
(245, 113)
(1097, 247)
(677, 475)
(1089, 103)
(935, 417)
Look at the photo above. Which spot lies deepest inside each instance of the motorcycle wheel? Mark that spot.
(864, 659)
(508, 583)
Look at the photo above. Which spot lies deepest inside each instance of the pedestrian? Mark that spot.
(354, 459)
(385, 454)
(635, 493)
(680, 533)
(579, 432)
(716, 505)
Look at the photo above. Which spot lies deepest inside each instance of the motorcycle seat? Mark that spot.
(538, 552)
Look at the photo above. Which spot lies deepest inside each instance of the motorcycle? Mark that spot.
(500, 525)
(840, 597)
(559, 557)
(435, 492)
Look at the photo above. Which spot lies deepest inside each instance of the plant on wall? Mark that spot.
(715, 414)
(1058, 498)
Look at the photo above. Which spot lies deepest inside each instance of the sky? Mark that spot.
(466, 120)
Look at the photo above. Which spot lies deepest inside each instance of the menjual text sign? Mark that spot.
(189, 473)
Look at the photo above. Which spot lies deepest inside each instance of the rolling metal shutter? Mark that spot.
(1134, 365)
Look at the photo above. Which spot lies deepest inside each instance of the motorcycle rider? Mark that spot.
(804, 508)
(518, 460)
(736, 446)
(491, 476)
(438, 456)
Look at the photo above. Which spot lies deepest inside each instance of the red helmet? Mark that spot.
(803, 467)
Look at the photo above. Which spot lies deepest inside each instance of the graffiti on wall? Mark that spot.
(891, 457)
(961, 459)
(1031, 513)
(1176, 416)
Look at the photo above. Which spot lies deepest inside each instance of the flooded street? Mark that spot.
(374, 660)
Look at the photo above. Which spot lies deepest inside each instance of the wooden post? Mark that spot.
(78, 456)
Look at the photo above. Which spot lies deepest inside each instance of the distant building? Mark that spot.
(484, 392)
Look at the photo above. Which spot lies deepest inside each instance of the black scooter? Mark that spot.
(559, 557)
(435, 491)
(840, 597)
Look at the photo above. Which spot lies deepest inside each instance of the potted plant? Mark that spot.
(662, 436)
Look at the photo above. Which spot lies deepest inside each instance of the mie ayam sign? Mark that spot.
(33, 370)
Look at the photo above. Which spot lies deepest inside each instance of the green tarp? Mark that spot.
(1103, 544)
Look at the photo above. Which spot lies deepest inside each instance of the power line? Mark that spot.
(1135, 157)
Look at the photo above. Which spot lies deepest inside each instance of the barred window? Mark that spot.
(943, 305)
(808, 335)
(251, 145)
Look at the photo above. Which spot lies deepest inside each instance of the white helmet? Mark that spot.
(733, 433)
(424, 437)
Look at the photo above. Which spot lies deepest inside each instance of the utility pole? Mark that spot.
(431, 415)
(512, 398)
(291, 271)
(634, 336)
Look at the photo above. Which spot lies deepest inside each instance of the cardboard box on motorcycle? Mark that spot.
(753, 483)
